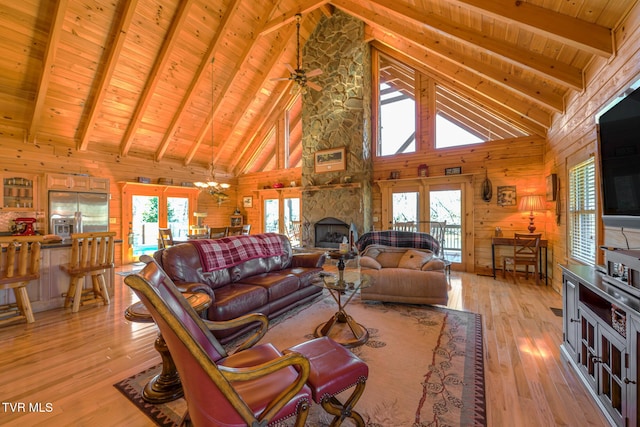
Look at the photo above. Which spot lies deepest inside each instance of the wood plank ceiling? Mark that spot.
(134, 77)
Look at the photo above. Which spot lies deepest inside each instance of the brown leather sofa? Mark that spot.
(270, 284)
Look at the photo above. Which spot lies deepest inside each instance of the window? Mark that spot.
(405, 206)
(396, 108)
(582, 212)
(460, 121)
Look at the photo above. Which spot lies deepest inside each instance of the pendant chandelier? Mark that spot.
(211, 186)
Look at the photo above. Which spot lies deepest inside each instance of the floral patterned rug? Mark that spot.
(425, 364)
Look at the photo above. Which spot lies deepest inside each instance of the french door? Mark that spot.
(423, 201)
(281, 214)
(145, 208)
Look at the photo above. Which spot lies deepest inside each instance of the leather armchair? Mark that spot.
(256, 385)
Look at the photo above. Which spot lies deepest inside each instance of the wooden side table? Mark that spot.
(165, 386)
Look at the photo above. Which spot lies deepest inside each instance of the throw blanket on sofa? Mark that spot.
(230, 251)
(399, 239)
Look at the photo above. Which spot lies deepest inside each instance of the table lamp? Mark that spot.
(531, 203)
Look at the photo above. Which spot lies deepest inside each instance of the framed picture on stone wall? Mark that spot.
(331, 160)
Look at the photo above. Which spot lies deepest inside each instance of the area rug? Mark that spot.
(425, 365)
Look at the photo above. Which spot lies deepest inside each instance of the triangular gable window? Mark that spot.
(460, 121)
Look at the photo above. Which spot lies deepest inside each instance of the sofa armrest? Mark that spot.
(433, 264)
(368, 262)
(310, 260)
(261, 323)
(194, 287)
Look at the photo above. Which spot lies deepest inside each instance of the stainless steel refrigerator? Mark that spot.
(88, 211)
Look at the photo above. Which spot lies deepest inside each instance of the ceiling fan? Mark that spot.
(298, 75)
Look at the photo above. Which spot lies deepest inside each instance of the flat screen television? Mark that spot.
(619, 146)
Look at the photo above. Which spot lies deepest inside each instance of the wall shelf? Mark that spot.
(350, 185)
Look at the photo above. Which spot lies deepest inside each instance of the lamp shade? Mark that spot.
(531, 204)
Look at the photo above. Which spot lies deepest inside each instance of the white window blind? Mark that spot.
(582, 212)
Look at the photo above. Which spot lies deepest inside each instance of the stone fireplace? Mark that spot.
(337, 116)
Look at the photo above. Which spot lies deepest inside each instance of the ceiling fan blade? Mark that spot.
(290, 68)
(314, 86)
(315, 72)
(280, 79)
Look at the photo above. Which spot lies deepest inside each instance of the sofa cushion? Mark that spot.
(236, 299)
(389, 259)
(277, 284)
(368, 262)
(413, 260)
(433, 264)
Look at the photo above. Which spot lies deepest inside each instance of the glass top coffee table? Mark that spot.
(343, 288)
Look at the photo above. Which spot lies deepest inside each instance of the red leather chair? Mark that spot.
(256, 385)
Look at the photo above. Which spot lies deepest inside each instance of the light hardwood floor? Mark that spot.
(68, 363)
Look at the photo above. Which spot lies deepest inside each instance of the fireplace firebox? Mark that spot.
(329, 233)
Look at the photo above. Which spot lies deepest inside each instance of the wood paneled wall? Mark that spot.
(573, 136)
(40, 158)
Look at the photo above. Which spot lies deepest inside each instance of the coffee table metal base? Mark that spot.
(359, 332)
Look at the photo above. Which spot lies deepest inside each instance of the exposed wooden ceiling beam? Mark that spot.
(290, 15)
(284, 39)
(277, 103)
(109, 67)
(216, 43)
(386, 31)
(526, 115)
(257, 158)
(582, 35)
(47, 65)
(154, 78)
(558, 72)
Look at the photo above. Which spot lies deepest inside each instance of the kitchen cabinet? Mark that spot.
(570, 320)
(19, 192)
(78, 183)
(601, 339)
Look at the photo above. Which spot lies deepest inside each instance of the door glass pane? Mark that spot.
(178, 217)
(405, 207)
(292, 220)
(145, 225)
(271, 220)
(446, 205)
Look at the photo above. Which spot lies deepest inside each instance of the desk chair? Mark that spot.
(165, 238)
(217, 232)
(21, 264)
(246, 229)
(526, 251)
(91, 254)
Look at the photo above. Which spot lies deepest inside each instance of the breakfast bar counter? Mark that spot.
(46, 292)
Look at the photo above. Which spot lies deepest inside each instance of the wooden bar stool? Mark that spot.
(25, 252)
(91, 253)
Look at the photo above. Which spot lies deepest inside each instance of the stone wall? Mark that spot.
(338, 116)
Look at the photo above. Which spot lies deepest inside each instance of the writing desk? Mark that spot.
(509, 241)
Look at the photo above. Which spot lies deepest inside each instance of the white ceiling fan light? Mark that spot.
(298, 75)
